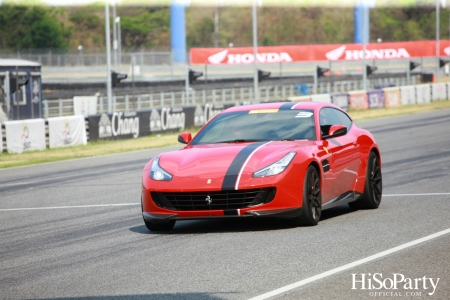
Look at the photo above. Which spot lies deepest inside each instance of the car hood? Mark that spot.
(216, 160)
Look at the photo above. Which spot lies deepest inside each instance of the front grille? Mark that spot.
(220, 200)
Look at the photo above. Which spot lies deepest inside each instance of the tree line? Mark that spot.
(37, 27)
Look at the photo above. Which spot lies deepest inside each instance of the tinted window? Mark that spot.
(327, 119)
(343, 119)
(259, 125)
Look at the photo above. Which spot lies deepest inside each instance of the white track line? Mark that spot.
(62, 207)
(349, 266)
(427, 194)
(128, 204)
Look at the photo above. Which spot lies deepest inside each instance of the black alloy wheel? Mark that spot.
(373, 188)
(312, 199)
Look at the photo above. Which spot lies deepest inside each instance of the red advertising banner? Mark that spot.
(335, 52)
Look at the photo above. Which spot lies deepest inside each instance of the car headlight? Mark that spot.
(158, 173)
(275, 168)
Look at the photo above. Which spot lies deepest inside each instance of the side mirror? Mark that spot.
(335, 131)
(185, 137)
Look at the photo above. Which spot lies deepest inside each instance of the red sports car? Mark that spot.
(283, 160)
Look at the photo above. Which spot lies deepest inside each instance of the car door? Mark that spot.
(343, 160)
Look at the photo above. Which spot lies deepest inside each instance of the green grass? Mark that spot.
(169, 139)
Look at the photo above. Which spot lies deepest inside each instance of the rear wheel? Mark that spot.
(312, 199)
(373, 187)
(159, 226)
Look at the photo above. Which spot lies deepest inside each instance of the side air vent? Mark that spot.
(325, 165)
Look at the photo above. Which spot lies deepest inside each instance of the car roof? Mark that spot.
(278, 105)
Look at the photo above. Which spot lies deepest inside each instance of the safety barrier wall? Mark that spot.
(27, 135)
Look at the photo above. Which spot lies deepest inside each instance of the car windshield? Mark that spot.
(258, 125)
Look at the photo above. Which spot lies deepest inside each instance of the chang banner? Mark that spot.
(423, 93)
(66, 131)
(358, 100)
(438, 91)
(124, 125)
(26, 135)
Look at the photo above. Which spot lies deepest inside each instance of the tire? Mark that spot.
(373, 187)
(312, 199)
(159, 226)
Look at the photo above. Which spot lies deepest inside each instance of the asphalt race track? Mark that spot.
(73, 230)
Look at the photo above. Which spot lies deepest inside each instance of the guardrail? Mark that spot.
(64, 107)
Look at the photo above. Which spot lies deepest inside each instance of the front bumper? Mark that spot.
(286, 213)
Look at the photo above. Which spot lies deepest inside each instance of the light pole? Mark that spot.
(114, 33)
(255, 51)
(108, 59)
(119, 40)
(364, 41)
(216, 27)
(437, 40)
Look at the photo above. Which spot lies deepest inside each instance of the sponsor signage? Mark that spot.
(392, 97)
(334, 52)
(26, 135)
(358, 100)
(66, 131)
(438, 91)
(124, 125)
(85, 105)
(423, 92)
(408, 94)
(375, 98)
(340, 100)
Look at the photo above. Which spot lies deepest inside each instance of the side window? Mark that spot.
(343, 119)
(327, 119)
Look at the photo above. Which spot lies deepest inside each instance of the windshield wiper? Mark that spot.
(238, 141)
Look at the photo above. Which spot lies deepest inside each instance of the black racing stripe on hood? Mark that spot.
(287, 106)
(233, 171)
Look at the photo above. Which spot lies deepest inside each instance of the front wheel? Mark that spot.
(373, 187)
(312, 199)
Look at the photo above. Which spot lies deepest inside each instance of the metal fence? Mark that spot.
(55, 58)
(64, 107)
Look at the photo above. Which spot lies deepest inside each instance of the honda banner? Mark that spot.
(66, 131)
(334, 52)
(26, 135)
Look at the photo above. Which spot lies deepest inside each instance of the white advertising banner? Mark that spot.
(66, 131)
(408, 94)
(439, 91)
(321, 98)
(85, 105)
(423, 93)
(25, 135)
